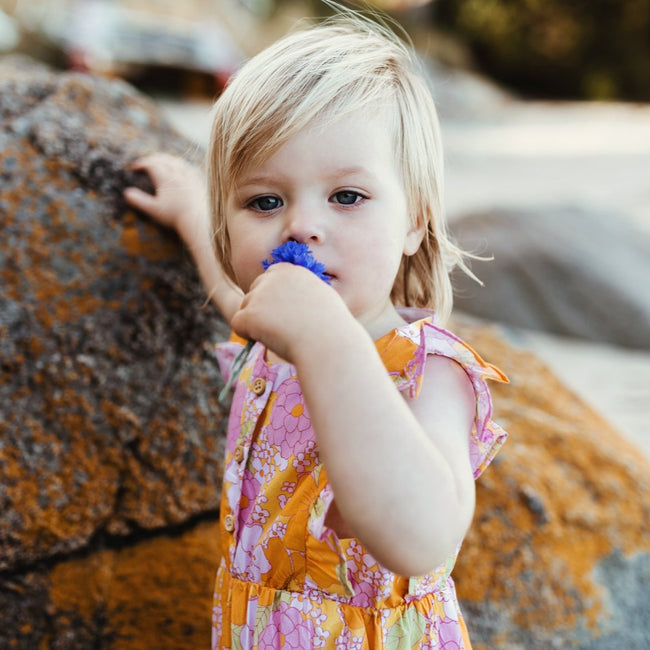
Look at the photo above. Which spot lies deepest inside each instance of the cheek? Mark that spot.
(247, 257)
(385, 244)
(378, 259)
(247, 265)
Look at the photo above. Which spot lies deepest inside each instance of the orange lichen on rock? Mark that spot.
(59, 502)
(141, 238)
(156, 593)
(565, 493)
(102, 330)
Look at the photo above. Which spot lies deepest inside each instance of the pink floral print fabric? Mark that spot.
(286, 580)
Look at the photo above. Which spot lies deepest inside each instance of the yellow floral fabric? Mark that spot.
(286, 580)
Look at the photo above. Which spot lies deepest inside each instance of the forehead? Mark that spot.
(362, 138)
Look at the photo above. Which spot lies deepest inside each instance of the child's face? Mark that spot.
(336, 188)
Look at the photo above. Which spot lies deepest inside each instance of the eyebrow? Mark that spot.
(262, 179)
(349, 171)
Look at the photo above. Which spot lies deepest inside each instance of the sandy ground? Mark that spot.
(525, 154)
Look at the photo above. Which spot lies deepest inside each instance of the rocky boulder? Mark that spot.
(567, 271)
(109, 424)
(558, 555)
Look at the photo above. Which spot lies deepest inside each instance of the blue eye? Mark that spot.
(347, 197)
(265, 203)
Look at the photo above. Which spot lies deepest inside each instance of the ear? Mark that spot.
(414, 237)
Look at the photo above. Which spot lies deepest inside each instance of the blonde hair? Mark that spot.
(343, 65)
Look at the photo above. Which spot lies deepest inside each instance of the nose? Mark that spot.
(304, 224)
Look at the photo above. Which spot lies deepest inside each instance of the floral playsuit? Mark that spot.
(286, 580)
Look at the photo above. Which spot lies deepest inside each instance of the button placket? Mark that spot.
(254, 404)
(251, 411)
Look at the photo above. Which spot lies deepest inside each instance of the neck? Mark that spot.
(382, 323)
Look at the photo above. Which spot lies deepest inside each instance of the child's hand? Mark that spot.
(180, 193)
(287, 308)
(180, 203)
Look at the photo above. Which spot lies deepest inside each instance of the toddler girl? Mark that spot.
(358, 424)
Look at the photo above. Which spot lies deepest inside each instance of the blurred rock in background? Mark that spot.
(186, 47)
(558, 555)
(566, 271)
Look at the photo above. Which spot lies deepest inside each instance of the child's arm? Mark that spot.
(180, 203)
(399, 470)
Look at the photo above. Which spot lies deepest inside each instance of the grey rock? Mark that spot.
(565, 271)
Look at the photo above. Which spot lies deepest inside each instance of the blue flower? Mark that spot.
(297, 253)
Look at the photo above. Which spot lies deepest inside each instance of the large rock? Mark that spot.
(566, 271)
(151, 592)
(111, 435)
(558, 555)
(110, 423)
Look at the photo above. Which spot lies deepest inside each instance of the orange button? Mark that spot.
(239, 453)
(229, 523)
(258, 386)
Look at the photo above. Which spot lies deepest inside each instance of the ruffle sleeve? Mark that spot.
(404, 352)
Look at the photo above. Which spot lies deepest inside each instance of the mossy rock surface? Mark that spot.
(110, 422)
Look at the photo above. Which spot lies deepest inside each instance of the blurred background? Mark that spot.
(545, 117)
(578, 50)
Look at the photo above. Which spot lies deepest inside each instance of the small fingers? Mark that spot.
(145, 163)
(139, 199)
(152, 160)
